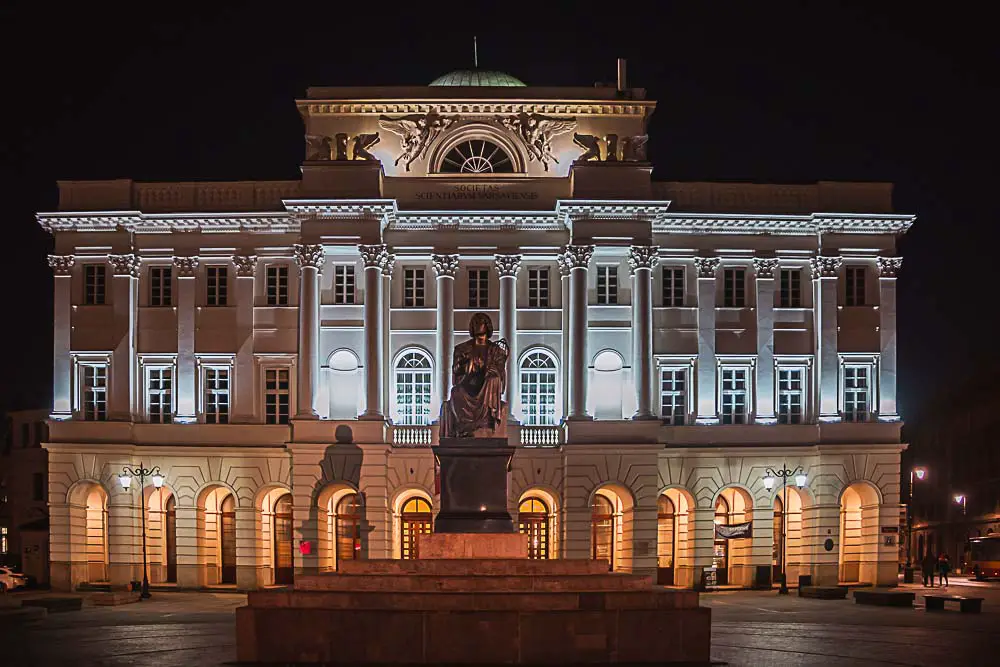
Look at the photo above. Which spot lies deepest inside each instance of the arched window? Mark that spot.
(778, 550)
(607, 387)
(348, 517)
(283, 540)
(533, 521)
(477, 156)
(345, 385)
(416, 520)
(603, 529)
(720, 554)
(666, 531)
(413, 390)
(227, 546)
(538, 390)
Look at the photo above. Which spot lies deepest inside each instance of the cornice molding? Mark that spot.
(782, 225)
(163, 223)
(490, 221)
(477, 107)
(584, 209)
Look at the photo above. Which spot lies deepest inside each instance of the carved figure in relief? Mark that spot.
(416, 133)
(537, 132)
(318, 147)
(341, 138)
(362, 143)
(591, 146)
(479, 376)
(634, 148)
(611, 155)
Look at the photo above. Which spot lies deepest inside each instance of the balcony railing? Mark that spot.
(412, 436)
(541, 436)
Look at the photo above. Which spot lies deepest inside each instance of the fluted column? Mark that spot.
(564, 327)
(386, 303)
(507, 267)
(62, 363)
(642, 259)
(373, 257)
(242, 383)
(887, 269)
(445, 268)
(310, 261)
(577, 259)
(824, 275)
(764, 269)
(706, 408)
(186, 384)
(125, 292)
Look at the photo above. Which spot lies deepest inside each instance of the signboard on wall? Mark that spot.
(736, 531)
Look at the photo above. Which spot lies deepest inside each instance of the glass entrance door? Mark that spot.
(228, 546)
(533, 521)
(415, 520)
(171, 540)
(603, 531)
(283, 538)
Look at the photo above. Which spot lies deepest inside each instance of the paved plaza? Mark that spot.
(756, 628)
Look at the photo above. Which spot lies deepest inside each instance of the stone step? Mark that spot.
(480, 601)
(55, 603)
(576, 583)
(481, 567)
(114, 598)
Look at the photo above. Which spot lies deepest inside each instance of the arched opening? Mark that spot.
(413, 389)
(341, 517)
(674, 553)
(170, 539)
(859, 534)
(731, 556)
(347, 528)
(612, 527)
(283, 538)
(416, 519)
(778, 544)
(97, 534)
(787, 550)
(161, 535)
(217, 535)
(608, 385)
(533, 521)
(603, 528)
(476, 156)
(344, 385)
(538, 389)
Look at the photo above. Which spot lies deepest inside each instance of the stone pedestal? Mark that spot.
(474, 485)
(460, 545)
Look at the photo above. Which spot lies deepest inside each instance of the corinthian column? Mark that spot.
(373, 256)
(62, 367)
(384, 360)
(887, 269)
(707, 267)
(824, 275)
(242, 383)
(764, 282)
(507, 267)
(642, 259)
(310, 261)
(445, 268)
(577, 259)
(186, 386)
(125, 291)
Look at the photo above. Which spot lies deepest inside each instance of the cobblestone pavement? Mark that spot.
(756, 628)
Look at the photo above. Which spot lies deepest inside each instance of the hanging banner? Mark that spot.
(736, 531)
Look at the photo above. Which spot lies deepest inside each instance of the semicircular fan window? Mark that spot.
(477, 156)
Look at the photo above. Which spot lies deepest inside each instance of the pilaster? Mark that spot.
(706, 404)
(386, 305)
(186, 385)
(124, 299)
(764, 269)
(242, 383)
(564, 329)
(888, 267)
(62, 367)
(642, 259)
(824, 274)
(310, 260)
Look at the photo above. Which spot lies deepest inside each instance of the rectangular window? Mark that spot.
(277, 396)
(735, 395)
(673, 396)
(855, 286)
(790, 292)
(160, 286)
(857, 393)
(277, 285)
(217, 284)
(94, 276)
(38, 486)
(343, 283)
(95, 392)
(790, 395)
(159, 387)
(538, 288)
(607, 285)
(673, 287)
(479, 288)
(734, 288)
(3, 539)
(216, 395)
(413, 288)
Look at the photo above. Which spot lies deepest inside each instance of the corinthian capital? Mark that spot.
(124, 265)
(825, 267)
(707, 266)
(764, 267)
(388, 261)
(445, 266)
(61, 265)
(643, 257)
(577, 256)
(889, 266)
(373, 256)
(507, 265)
(245, 265)
(308, 255)
(186, 266)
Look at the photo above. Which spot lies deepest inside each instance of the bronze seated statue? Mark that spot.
(479, 377)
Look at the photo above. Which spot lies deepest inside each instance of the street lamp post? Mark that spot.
(125, 479)
(960, 498)
(770, 476)
(916, 474)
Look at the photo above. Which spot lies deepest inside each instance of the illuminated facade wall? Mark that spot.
(666, 337)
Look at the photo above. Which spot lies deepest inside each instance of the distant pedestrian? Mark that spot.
(943, 568)
(927, 565)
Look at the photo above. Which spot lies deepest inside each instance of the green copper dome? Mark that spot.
(477, 78)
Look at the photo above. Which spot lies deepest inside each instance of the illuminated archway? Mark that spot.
(161, 534)
(216, 531)
(674, 553)
(612, 526)
(731, 558)
(859, 506)
(341, 517)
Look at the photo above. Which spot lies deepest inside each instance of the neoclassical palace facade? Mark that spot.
(280, 350)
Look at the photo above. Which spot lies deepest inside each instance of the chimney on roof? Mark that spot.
(622, 85)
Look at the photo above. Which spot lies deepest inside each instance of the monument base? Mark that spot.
(474, 485)
(473, 611)
(485, 545)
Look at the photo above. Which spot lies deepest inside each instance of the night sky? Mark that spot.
(747, 92)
